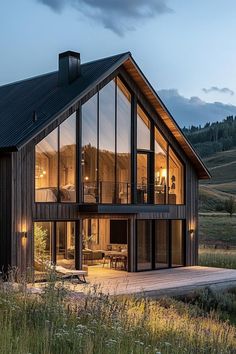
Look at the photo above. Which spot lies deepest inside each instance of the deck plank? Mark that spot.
(171, 282)
(161, 281)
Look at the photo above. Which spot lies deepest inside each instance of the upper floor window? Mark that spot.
(106, 156)
(89, 150)
(123, 141)
(160, 172)
(143, 130)
(106, 145)
(67, 159)
(176, 179)
(55, 161)
(107, 128)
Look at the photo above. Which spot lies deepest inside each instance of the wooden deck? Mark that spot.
(166, 282)
(170, 282)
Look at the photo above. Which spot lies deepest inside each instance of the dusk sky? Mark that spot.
(184, 45)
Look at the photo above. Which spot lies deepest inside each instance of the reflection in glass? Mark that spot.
(107, 143)
(89, 150)
(176, 173)
(123, 143)
(42, 245)
(68, 159)
(161, 244)
(143, 130)
(142, 178)
(46, 168)
(65, 244)
(177, 258)
(160, 168)
(144, 245)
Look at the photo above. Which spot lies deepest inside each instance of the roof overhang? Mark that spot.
(136, 74)
(126, 60)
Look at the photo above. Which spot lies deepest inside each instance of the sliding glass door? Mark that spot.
(65, 244)
(54, 242)
(144, 245)
(160, 244)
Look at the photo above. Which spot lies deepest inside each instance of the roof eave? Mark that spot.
(202, 171)
(162, 111)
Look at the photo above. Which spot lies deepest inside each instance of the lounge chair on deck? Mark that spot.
(64, 272)
(70, 273)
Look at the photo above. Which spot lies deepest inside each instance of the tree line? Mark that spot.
(213, 137)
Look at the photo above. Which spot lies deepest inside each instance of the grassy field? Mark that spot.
(217, 229)
(222, 185)
(55, 323)
(217, 258)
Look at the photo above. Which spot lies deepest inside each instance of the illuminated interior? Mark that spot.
(106, 156)
(160, 183)
(54, 242)
(176, 179)
(55, 161)
(105, 243)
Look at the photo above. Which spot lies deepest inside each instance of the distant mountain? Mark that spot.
(194, 111)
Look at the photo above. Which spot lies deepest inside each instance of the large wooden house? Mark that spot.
(95, 171)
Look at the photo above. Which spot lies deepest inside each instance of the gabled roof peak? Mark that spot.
(42, 94)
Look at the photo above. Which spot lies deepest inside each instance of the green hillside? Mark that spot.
(216, 144)
(222, 185)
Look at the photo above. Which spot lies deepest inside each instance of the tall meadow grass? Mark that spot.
(57, 322)
(217, 258)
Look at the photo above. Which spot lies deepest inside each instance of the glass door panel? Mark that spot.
(142, 178)
(161, 244)
(65, 244)
(144, 245)
(42, 244)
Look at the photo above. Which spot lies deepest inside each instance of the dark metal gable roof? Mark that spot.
(41, 94)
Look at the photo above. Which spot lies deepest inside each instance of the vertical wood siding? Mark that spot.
(18, 210)
(5, 211)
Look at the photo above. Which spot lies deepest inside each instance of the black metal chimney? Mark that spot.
(69, 67)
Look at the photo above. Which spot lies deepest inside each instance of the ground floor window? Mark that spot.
(105, 243)
(54, 242)
(160, 244)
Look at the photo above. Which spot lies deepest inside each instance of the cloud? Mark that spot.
(220, 90)
(117, 15)
(194, 111)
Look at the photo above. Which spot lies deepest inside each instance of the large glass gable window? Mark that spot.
(143, 130)
(123, 168)
(106, 145)
(89, 150)
(55, 162)
(46, 168)
(67, 159)
(176, 179)
(160, 163)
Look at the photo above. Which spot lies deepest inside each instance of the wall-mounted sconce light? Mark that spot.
(191, 232)
(24, 234)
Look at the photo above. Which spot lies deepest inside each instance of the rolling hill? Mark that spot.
(213, 193)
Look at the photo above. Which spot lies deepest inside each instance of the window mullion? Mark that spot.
(58, 165)
(97, 172)
(115, 189)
